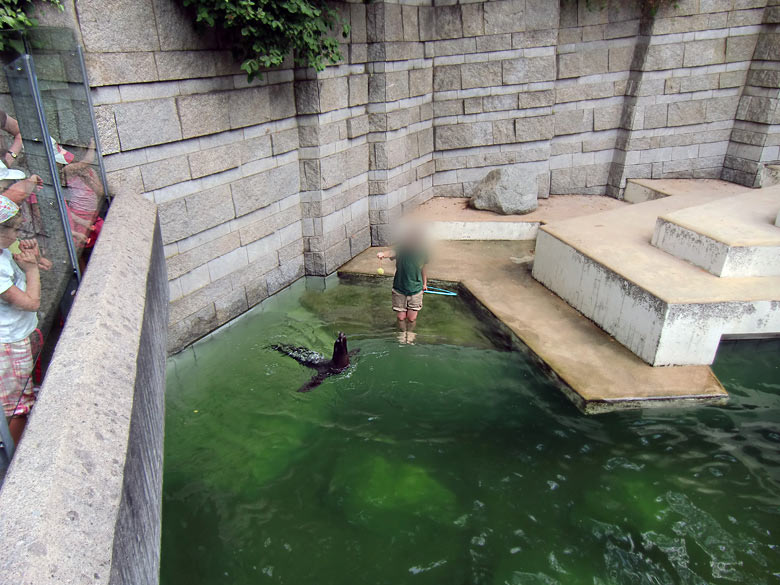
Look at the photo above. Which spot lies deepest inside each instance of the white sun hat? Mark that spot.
(11, 174)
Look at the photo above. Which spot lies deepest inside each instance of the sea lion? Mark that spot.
(311, 359)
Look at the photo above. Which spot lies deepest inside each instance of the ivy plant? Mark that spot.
(264, 32)
(15, 15)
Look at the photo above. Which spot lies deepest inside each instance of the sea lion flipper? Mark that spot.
(314, 382)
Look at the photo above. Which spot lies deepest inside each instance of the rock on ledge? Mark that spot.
(508, 190)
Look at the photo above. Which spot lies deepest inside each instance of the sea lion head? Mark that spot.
(340, 352)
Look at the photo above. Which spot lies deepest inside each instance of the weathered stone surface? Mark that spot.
(448, 25)
(108, 24)
(655, 116)
(446, 77)
(472, 18)
(116, 68)
(334, 94)
(573, 122)
(706, 52)
(203, 114)
(420, 81)
(358, 90)
(510, 189)
(607, 118)
(528, 69)
(248, 107)
(535, 99)
(534, 128)
(719, 109)
(142, 124)
(740, 48)
(106, 125)
(397, 85)
(504, 16)
(480, 74)
(541, 15)
(661, 57)
(262, 189)
(186, 64)
(684, 113)
(214, 160)
(464, 135)
(165, 172)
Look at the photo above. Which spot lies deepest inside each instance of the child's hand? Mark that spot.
(44, 263)
(30, 245)
(26, 260)
(380, 255)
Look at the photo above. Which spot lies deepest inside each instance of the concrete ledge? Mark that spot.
(484, 230)
(81, 502)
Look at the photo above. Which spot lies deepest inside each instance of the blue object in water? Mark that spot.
(441, 291)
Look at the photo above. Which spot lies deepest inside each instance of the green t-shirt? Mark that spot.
(408, 271)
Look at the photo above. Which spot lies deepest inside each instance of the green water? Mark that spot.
(453, 461)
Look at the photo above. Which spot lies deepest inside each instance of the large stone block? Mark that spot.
(504, 16)
(541, 15)
(536, 99)
(607, 118)
(447, 22)
(720, 109)
(397, 85)
(510, 189)
(165, 172)
(463, 135)
(620, 58)
(186, 64)
(473, 20)
(106, 125)
(740, 48)
(410, 23)
(108, 24)
(119, 68)
(528, 69)
(248, 107)
(534, 128)
(655, 116)
(177, 32)
(307, 96)
(141, 124)
(446, 77)
(496, 103)
(281, 101)
(706, 52)
(660, 57)
(503, 131)
(214, 160)
(358, 90)
(203, 114)
(262, 189)
(573, 122)
(480, 74)
(420, 81)
(768, 47)
(334, 93)
(684, 113)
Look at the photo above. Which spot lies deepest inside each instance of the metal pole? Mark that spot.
(88, 92)
(36, 95)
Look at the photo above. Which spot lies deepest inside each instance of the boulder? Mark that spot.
(508, 190)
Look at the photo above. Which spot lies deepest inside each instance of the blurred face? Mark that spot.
(9, 234)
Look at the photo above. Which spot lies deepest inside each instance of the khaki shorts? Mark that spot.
(401, 302)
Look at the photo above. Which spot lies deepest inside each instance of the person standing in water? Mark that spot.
(410, 281)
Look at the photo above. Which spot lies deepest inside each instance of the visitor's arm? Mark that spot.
(29, 300)
(390, 254)
(20, 190)
(12, 127)
(425, 277)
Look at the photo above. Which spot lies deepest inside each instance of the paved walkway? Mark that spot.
(599, 373)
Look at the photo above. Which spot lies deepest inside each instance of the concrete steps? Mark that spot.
(665, 309)
(732, 237)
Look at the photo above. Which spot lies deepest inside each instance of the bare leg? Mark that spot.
(16, 427)
(412, 316)
(401, 316)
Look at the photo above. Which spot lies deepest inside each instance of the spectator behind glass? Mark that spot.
(11, 126)
(20, 299)
(83, 198)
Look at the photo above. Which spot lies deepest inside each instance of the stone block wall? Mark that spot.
(261, 183)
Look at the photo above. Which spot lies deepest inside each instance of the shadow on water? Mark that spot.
(452, 461)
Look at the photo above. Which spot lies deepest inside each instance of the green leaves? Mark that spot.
(14, 16)
(264, 32)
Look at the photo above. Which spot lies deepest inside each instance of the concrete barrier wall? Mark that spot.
(81, 502)
(260, 183)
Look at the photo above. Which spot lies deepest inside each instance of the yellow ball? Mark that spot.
(380, 270)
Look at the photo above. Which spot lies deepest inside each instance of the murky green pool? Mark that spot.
(453, 461)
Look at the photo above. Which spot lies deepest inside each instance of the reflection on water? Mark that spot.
(453, 461)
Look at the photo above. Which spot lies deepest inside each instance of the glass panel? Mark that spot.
(51, 168)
